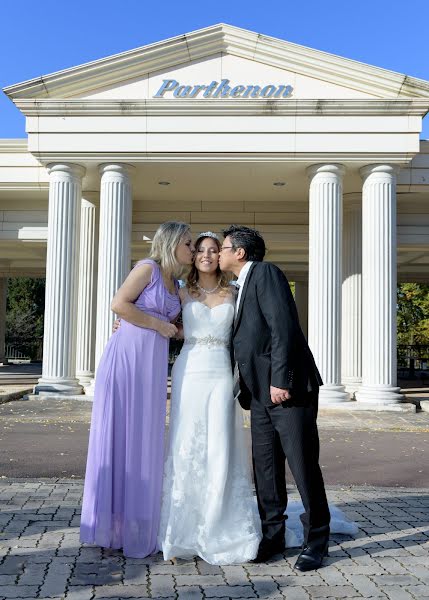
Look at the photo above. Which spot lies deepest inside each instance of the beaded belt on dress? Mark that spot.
(208, 340)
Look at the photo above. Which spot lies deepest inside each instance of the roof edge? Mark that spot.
(165, 107)
(220, 38)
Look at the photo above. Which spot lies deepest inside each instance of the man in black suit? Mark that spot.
(279, 383)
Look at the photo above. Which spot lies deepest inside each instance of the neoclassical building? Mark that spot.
(320, 153)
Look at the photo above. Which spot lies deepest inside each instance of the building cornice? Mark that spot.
(233, 107)
(224, 39)
(12, 146)
(362, 158)
(24, 186)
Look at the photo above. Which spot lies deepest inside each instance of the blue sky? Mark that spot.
(37, 38)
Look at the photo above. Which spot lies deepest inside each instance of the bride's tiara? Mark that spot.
(209, 234)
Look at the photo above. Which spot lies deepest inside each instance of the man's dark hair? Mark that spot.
(247, 238)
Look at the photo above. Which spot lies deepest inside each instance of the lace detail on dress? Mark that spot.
(208, 512)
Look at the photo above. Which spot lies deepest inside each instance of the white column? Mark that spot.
(86, 301)
(3, 295)
(114, 249)
(351, 345)
(379, 286)
(59, 342)
(325, 277)
(301, 301)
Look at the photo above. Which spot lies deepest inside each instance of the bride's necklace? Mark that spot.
(208, 291)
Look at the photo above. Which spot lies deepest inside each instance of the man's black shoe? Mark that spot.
(266, 551)
(311, 558)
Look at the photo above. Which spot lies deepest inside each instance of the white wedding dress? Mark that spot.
(208, 507)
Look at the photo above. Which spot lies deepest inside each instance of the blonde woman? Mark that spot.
(123, 482)
(208, 507)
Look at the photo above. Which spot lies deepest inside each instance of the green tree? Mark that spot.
(24, 314)
(413, 313)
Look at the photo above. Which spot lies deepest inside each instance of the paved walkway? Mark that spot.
(42, 461)
(48, 438)
(41, 557)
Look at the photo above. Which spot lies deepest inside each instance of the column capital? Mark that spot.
(379, 169)
(71, 169)
(116, 168)
(326, 169)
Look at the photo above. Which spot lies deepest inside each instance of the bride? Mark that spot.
(208, 506)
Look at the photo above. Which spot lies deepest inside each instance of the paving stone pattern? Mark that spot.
(41, 556)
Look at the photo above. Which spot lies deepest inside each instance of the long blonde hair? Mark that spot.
(193, 276)
(164, 245)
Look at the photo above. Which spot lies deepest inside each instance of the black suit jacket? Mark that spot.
(268, 342)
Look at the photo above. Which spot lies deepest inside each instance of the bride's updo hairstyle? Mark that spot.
(164, 245)
(192, 279)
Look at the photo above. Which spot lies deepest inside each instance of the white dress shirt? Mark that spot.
(240, 283)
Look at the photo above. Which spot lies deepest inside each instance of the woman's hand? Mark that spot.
(179, 335)
(167, 330)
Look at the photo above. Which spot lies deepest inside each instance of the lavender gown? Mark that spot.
(123, 483)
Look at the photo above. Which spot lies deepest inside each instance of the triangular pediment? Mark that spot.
(225, 76)
(221, 53)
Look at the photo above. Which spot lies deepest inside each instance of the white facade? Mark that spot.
(320, 153)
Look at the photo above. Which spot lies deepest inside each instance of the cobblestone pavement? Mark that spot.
(41, 557)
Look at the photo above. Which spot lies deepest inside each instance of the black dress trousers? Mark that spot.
(279, 432)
